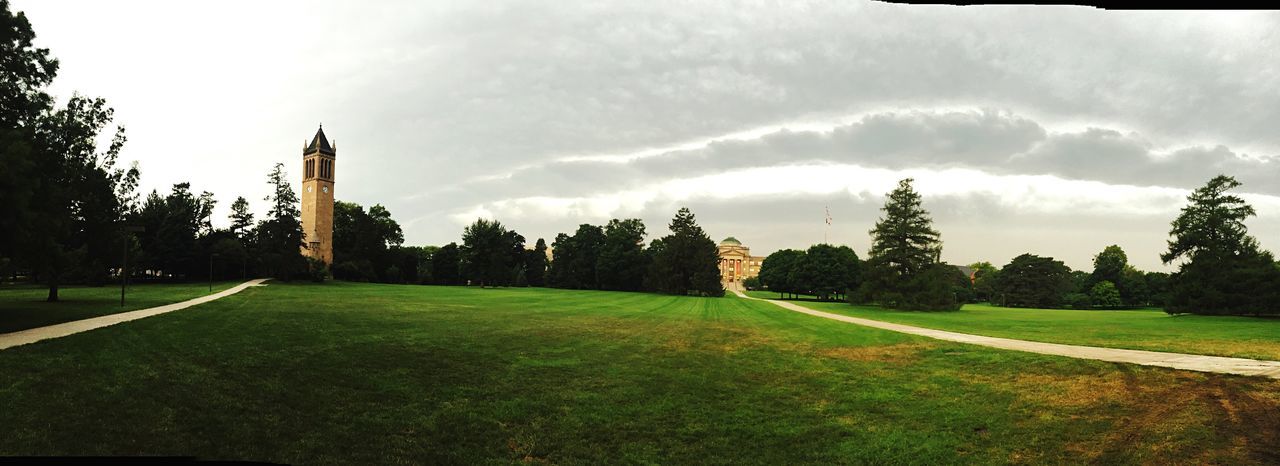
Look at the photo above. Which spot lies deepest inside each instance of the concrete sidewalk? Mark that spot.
(9, 340)
(1191, 362)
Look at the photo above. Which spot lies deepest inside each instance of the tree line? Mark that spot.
(902, 270)
(1221, 268)
(609, 257)
(70, 212)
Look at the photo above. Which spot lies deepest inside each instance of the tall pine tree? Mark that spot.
(1225, 272)
(279, 237)
(905, 250)
(686, 261)
(241, 218)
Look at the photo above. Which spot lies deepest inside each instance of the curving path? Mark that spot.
(9, 340)
(1192, 362)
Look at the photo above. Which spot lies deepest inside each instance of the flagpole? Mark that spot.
(827, 231)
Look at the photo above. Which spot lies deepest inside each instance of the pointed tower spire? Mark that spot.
(320, 144)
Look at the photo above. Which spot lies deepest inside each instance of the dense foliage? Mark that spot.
(1033, 281)
(900, 268)
(685, 261)
(491, 255)
(1223, 270)
(824, 271)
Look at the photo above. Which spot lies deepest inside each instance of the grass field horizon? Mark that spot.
(364, 373)
(1145, 329)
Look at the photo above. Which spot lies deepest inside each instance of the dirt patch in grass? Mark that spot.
(896, 353)
(1175, 415)
(1068, 391)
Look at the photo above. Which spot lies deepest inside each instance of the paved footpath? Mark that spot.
(9, 340)
(1192, 362)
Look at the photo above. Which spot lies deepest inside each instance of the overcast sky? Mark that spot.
(1051, 130)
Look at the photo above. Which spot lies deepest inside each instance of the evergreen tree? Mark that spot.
(241, 218)
(175, 226)
(904, 246)
(280, 237)
(687, 260)
(1224, 271)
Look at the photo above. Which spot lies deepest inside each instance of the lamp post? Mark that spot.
(211, 256)
(124, 265)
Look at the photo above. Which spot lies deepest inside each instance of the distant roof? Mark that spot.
(320, 144)
(731, 240)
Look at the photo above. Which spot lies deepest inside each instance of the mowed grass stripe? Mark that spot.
(358, 373)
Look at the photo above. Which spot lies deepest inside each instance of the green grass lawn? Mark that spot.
(23, 307)
(372, 374)
(1247, 337)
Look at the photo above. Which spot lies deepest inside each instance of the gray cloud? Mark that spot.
(996, 142)
(424, 97)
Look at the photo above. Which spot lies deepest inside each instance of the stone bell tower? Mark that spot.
(318, 165)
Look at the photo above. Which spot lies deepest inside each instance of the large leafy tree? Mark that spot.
(1222, 269)
(576, 258)
(445, 265)
(56, 182)
(984, 280)
(363, 245)
(1133, 287)
(1157, 287)
(1105, 294)
(1212, 223)
(1033, 281)
(776, 271)
(76, 208)
(622, 262)
(904, 246)
(25, 71)
(491, 255)
(1112, 265)
(535, 264)
(1108, 265)
(687, 260)
(826, 271)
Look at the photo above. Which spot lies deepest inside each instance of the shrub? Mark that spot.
(317, 270)
(1079, 301)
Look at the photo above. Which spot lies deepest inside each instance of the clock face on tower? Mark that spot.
(308, 189)
(325, 189)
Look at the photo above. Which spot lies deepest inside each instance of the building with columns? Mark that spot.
(737, 263)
